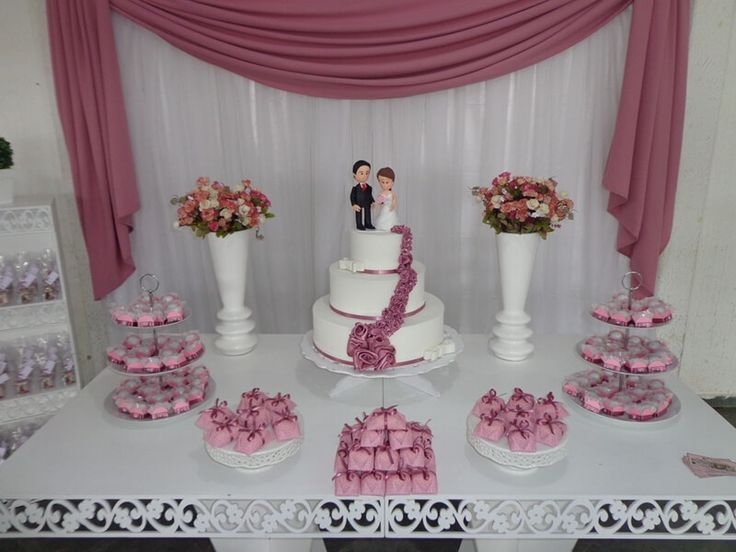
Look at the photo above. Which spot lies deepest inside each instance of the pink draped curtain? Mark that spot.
(380, 49)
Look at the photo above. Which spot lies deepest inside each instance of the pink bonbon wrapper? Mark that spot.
(398, 483)
(401, 438)
(430, 463)
(249, 442)
(218, 436)
(488, 404)
(213, 415)
(252, 398)
(372, 438)
(490, 429)
(520, 401)
(550, 431)
(287, 428)
(395, 419)
(341, 461)
(386, 459)
(347, 484)
(159, 410)
(521, 439)
(412, 457)
(360, 458)
(550, 406)
(138, 410)
(513, 416)
(180, 404)
(256, 417)
(281, 403)
(372, 484)
(424, 482)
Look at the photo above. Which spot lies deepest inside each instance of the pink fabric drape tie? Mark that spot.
(379, 49)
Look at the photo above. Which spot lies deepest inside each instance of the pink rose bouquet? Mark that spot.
(523, 205)
(215, 207)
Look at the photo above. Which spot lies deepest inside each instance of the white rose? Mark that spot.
(543, 208)
(532, 204)
(497, 200)
(238, 187)
(226, 214)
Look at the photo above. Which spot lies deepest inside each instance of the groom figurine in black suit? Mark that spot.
(361, 196)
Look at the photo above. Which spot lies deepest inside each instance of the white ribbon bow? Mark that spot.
(446, 347)
(351, 265)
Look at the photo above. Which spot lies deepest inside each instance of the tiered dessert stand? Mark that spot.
(149, 284)
(631, 282)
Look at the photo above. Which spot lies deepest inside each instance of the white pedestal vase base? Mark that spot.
(7, 182)
(516, 253)
(230, 265)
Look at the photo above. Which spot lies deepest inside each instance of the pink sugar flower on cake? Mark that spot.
(424, 482)
(550, 431)
(347, 484)
(398, 483)
(520, 400)
(372, 484)
(489, 403)
(490, 428)
(521, 438)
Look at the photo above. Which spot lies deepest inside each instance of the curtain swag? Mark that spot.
(370, 50)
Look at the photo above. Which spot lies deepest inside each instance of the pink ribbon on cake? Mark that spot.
(365, 317)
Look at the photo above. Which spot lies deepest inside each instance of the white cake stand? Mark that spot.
(518, 462)
(410, 374)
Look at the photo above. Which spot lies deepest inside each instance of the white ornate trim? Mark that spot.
(22, 220)
(595, 518)
(266, 458)
(33, 315)
(200, 517)
(38, 404)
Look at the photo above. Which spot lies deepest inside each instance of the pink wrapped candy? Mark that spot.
(398, 483)
(400, 438)
(423, 482)
(386, 459)
(520, 400)
(286, 427)
(550, 431)
(489, 403)
(249, 442)
(412, 457)
(347, 484)
(360, 458)
(490, 428)
(521, 438)
(373, 484)
(549, 405)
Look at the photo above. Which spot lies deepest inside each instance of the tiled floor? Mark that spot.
(336, 545)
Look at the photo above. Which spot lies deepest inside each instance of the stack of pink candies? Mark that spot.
(524, 421)
(642, 313)
(258, 421)
(383, 454)
(639, 399)
(166, 309)
(140, 354)
(634, 354)
(164, 396)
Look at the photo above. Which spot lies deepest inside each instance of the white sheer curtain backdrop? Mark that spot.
(190, 119)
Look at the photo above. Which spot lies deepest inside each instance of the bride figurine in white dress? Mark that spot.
(386, 201)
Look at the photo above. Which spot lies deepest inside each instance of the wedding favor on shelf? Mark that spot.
(523, 432)
(262, 431)
(29, 277)
(35, 364)
(150, 399)
(384, 454)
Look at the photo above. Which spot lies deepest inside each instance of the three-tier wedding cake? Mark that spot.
(377, 314)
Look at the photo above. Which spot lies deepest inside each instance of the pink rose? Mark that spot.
(357, 338)
(377, 341)
(363, 359)
(385, 357)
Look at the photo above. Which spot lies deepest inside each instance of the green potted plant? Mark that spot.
(6, 163)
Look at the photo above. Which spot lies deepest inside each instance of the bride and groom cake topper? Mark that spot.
(362, 202)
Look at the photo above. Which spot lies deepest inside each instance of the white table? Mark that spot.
(86, 473)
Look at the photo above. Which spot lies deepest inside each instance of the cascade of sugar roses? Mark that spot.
(522, 210)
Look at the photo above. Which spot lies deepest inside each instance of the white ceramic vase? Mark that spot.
(230, 263)
(7, 182)
(516, 253)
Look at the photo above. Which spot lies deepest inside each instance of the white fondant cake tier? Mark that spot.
(377, 250)
(359, 294)
(419, 332)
